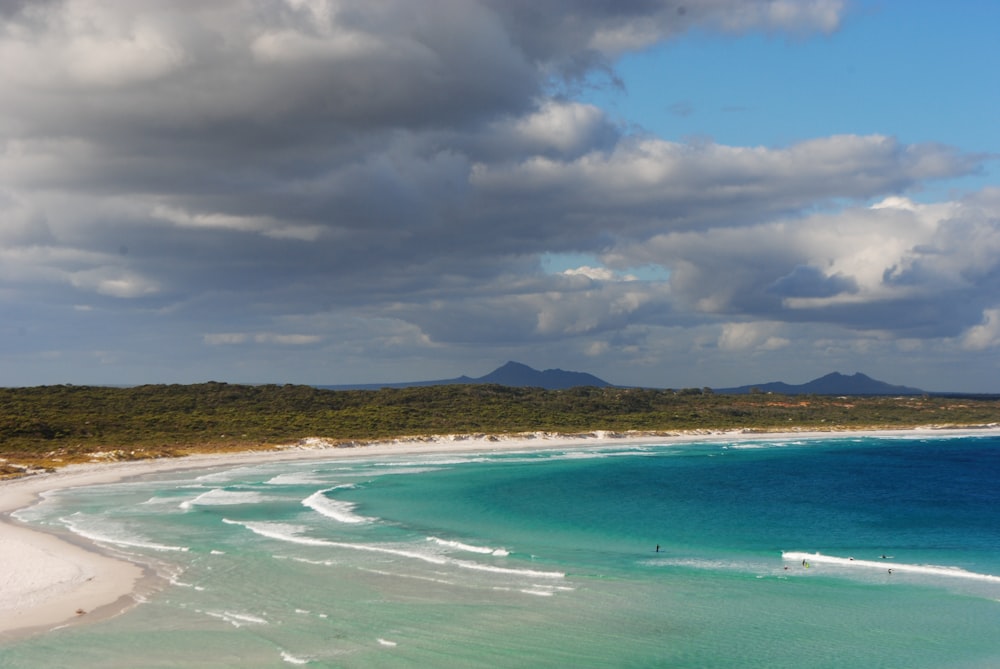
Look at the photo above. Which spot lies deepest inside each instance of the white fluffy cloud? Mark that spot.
(986, 335)
(748, 336)
(380, 181)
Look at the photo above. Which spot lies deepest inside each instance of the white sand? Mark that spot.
(46, 581)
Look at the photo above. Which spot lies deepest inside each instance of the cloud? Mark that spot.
(805, 281)
(115, 282)
(84, 45)
(901, 268)
(598, 273)
(265, 225)
(745, 336)
(647, 184)
(560, 129)
(570, 29)
(226, 338)
(236, 338)
(379, 182)
(986, 335)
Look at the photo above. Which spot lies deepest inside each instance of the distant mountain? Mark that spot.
(516, 374)
(831, 384)
(511, 374)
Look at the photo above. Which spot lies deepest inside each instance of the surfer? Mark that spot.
(657, 548)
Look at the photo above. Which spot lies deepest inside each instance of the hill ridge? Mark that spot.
(512, 373)
(833, 383)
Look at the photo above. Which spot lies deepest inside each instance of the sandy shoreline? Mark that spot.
(47, 581)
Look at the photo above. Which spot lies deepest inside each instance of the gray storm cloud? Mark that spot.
(286, 173)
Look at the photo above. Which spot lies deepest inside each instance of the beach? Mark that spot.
(51, 581)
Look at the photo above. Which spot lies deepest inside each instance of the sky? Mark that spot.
(663, 193)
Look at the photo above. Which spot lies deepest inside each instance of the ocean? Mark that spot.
(845, 551)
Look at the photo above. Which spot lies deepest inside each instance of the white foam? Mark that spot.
(175, 581)
(397, 469)
(580, 455)
(415, 577)
(896, 567)
(386, 642)
(338, 510)
(291, 659)
(752, 445)
(225, 475)
(280, 531)
(700, 563)
(152, 501)
(116, 537)
(432, 461)
(458, 545)
(295, 479)
(291, 533)
(237, 619)
(531, 573)
(223, 497)
(318, 563)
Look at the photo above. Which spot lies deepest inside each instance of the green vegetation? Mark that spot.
(52, 425)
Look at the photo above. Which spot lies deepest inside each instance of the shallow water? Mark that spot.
(770, 555)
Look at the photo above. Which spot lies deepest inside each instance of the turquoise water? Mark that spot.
(549, 559)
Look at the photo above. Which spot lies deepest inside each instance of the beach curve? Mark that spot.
(49, 582)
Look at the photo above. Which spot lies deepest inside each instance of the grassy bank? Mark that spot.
(53, 425)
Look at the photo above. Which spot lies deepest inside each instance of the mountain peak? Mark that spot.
(511, 373)
(520, 375)
(844, 378)
(513, 366)
(833, 383)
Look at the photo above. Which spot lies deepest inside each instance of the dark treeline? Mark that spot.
(56, 424)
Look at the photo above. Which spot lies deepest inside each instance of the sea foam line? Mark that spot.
(291, 533)
(299, 478)
(901, 567)
(533, 573)
(237, 619)
(291, 659)
(117, 541)
(338, 510)
(458, 545)
(223, 497)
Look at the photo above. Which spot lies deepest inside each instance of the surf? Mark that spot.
(342, 512)
(293, 534)
(886, 565)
